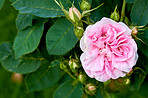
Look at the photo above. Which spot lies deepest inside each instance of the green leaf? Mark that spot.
(48, 93)
(45, 77)
(136, 80)
(22, 65)
(23, 21)
(1, 3)
(143, 47)
(5, 50)
(130, 1)
(143, 90)
(68, 90)
(41, 8)
(12, 0)
(139, 12)
(27, 40)
(60, 37)
(105, 10)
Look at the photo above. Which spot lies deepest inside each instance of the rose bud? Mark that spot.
(127, 81)
(64, 67)
(74, 65)
(85, 5)
(123, 81)
(17, 78)
(115, 15)
(74, 14)
(90, 89)
(134, 31)
(79, 32)
(82, 78)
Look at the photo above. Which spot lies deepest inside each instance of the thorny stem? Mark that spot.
(123, 10)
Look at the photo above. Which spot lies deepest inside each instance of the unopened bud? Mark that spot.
(82, 78)
(63, 67)
(127, 81)
(79, 32)
(126, 20)
(90, 89)
(74, 65)
(85, 5)
(115, 15)
(74, 14)
(17, 78)
(134, 31)
(123, 81)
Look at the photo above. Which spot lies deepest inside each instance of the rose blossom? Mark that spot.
(108, 50)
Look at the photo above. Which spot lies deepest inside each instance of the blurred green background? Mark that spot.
(8, 15)
(11, 89)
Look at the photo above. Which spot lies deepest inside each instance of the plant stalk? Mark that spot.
(88, 20)
(123, 10)
(72, 76)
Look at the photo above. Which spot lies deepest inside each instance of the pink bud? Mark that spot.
(90, 89)
(17, 78)
(74, 14)
(134, 31)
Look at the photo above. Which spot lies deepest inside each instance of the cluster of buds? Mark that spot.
(74, 65)
(74, 16)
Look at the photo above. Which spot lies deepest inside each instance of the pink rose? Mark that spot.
(108, 50)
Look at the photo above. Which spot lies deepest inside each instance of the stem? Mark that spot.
(16, 91)
(88, 20)
(140, 69)
(123, 10)
(85, 12)
(72, 76)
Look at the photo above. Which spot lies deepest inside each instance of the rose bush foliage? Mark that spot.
(77, 48)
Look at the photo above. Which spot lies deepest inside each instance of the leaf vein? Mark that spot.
(60, 38)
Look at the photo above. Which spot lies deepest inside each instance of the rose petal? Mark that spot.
(128, 30)
(96, 65)
(104, 77)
